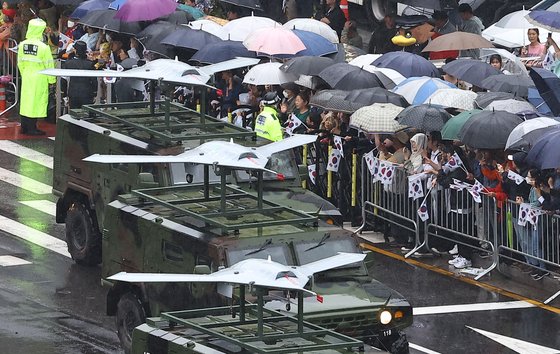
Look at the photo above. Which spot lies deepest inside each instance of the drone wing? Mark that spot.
(236, 63)
(286, 144)
(339, 260)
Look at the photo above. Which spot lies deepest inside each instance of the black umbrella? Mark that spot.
(407, 64)
(424, 117)
(152, 36)
(483, 99)
(250, 4)
(178, 17)
(105, 19)
(548, 85)
(426, 4)
(221, 51)
(67, 2)
(544, 154)
(334, 100)
(489, 129)
(470, 70)
(369, 96)
(515, 84)
(343, 76)
(306, 65)
(186, 37)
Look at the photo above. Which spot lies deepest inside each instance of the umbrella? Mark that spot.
(221, 51)
(536, 100)
(461, 99)
(210, 27)
(334, 100)
(407, 64)
(373, 95)
(457, 41)
(315, 45)
(546, 19)
(548, 85)
(526, 133)
(511, 105)
(195, 12)
(512, 62)
(240, 28)
(346, 53)
(544, 154)
(88, 6)
(516, 84)
(177, 18)
(389, 78)
(306, 65)
(483, 99)
(312, 25)
(66, 2)
(105, 19)
(379, 118)
(151, 37)
(145, 10)
(116, 4)
(268, 74)
(425, 117)
(450, 130)
(311, 82)
(470, 70)
(515, 20)
(417, 89)
(186, 37)
(366, 59)
(250, 4)
(274, 41)
(344, 76)
(488, 129)
(425, 4)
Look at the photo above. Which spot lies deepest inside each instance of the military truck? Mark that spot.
(200, 228)
(164, 128)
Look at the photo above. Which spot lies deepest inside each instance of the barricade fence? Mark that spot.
(9, 78)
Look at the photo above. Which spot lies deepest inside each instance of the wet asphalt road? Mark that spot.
(51, 305)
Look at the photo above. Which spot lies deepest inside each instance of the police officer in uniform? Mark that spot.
(268, 124)
(33, 56)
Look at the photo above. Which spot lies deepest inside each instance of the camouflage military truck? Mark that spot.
(84, 189)
(199, 228)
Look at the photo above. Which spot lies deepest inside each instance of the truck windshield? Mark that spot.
(278, 253)
(308, 252)
(281, 162)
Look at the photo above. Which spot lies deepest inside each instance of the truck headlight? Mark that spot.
(385, 317)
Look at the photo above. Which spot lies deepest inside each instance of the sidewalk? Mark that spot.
(10, 128)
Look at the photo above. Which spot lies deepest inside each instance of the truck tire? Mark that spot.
(377, 9)
(82, 235)
(130, 314)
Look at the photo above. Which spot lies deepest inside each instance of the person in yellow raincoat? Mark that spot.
(34, 56)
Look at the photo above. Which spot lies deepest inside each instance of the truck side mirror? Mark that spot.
(146, 180)
(201, 269)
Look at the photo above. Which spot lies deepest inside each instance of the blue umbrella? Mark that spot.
(116, 4)
(221, 51)
(548, 85)
(545, 19)
(193, 11)
(88, 6)
(407, 64)
(544, 154)
(536, 100)
(316, 45)
(416, 90)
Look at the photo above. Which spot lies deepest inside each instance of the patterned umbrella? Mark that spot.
(378, 118)
(511, 106)
(373, 95)
(417, 89)
(516, 84)
(461, 99)
(450, 130)
(525, 134)
(334, 100)
(489, 129)
(424, 117)
(312, 25)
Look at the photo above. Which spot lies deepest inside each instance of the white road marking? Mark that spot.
(46, 206)
(517, 345)
(8, 261)
(34, 236)
(422, 349)
(24, 182)
(52, 138)
(489, 306)
(26, 153)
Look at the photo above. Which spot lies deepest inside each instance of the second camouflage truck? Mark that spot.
(179, 225)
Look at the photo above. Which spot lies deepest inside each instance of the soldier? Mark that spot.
(81, 90)
(268, 123)
(34, 56)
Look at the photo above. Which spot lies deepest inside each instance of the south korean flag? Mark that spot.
(372, 163)
(415, 189)
(293, 124)
(515, 177)
(386, 172)
(423, 212)
(312, 171)
(334, 160)
(338, 143)
(524, 210)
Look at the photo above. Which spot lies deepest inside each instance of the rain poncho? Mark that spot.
(34, 56)
(268, 125)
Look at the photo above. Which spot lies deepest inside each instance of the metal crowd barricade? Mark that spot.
(10, 73)
(538, 244)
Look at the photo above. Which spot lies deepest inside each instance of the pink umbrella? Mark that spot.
(145, 10)
(274, 41)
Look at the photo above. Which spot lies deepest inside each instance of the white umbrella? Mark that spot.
(515, 19)
(379, 118)
(210, 27)
(240, 28)
(517, 137)
(511, 106)
(365, 59)
(461, 99)
(312, 25)
(268, 74)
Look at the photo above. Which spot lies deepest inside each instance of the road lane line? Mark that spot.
(422, 349)
(34, 236)
(23, 182)
(26, 153)
(46, 206)
(488, 306)
(9, 261)
(517, 345)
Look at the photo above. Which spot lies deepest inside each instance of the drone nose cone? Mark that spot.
(280, 177)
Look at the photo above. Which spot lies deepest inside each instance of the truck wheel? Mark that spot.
(397, 343)
(376, 10)
(130, 314)
(82, 235)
